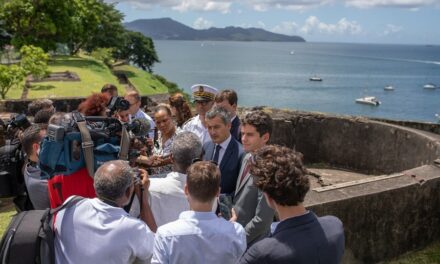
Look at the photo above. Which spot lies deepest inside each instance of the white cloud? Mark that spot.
(199, 5)
(411, 4)
(261, 24)
(286, 27)
(224, 6)
(312, 25)
(391, 29)
(202, 23)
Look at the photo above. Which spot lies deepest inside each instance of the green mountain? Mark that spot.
(166, 28)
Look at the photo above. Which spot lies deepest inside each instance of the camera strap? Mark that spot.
(87, 146)
(125, 144)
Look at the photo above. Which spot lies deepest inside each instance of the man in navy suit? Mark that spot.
(223, 149)
(228, 99)
(301, 236)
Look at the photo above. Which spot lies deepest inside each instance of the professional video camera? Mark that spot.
(117, 104)
(88, 141)
(19, 121)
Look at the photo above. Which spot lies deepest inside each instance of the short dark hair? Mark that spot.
(108, 87)
(229, 95)
(261, 120)
(163, 107)
(279, 172)
(31, 135)
(39, 104)
(203, 180)
(43, 116)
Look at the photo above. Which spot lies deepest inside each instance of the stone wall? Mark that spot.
(354, 143)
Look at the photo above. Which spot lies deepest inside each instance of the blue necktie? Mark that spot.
(217, 153)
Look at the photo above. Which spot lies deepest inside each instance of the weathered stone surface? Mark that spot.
(382, 219)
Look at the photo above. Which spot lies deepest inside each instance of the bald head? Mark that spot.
(112, 179)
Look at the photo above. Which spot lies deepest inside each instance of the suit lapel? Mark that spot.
(228, 154)
(240, 185)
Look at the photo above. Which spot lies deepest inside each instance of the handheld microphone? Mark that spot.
(139, 127)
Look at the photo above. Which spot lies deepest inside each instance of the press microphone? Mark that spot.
(139, 127)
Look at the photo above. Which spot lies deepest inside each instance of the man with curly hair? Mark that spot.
(301, 236)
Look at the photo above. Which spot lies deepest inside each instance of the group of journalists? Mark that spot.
(207, 188)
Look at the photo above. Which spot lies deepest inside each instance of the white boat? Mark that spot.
(438, 117)
(369, 100)
(315, 79)
(389, 88)
(429, 86)
(292, 52)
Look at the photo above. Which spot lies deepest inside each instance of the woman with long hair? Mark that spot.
(94, 105)
(180, 109)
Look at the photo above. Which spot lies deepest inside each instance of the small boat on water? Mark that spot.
(369, 100)
(389, 88)
(315, 79)
(429, 86)
(438, 117)
(292, 52)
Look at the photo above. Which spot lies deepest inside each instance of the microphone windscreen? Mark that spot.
(140, 127)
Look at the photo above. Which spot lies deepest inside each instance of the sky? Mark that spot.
(351, 21)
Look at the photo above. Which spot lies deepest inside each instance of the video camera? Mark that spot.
(117, 104)
(62, 151)
(19, 121)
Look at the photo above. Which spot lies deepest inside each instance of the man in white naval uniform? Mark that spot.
(203, 95)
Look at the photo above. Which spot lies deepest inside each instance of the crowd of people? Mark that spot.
(208, 188)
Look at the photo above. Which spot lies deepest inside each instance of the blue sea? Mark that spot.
(277, 75)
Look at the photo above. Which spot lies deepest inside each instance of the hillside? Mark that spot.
(168, 29)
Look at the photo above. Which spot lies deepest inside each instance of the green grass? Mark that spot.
(93, 74)
(144, 82)
(7, 210)
(428, 255)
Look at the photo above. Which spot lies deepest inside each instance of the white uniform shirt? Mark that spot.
(195, 125)
(199, 238)
(94, 232)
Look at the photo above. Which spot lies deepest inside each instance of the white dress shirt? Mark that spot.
(223, 145)
(195, 125)
(94, 232)
(199, 238)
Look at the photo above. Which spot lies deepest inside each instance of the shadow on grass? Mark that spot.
(128, 74)
(78, 63)
(42, 87)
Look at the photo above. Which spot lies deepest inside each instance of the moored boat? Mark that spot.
(369, 100)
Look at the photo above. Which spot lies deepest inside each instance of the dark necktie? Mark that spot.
(216, 154)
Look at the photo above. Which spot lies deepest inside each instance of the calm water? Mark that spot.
(268, 74)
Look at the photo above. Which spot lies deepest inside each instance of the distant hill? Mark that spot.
(166, 28)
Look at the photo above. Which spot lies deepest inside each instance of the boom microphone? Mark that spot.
(139, 127)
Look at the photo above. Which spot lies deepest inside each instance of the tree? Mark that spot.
(34, 61)
(138, 49)
(10, 77)
(41, 23)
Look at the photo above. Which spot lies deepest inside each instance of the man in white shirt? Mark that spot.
(167, 197)
(98, 230)
(199, 236)
(134, 98)
(203, 95)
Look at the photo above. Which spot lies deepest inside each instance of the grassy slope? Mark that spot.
(143, 81)
(7, 210)
(93, 75)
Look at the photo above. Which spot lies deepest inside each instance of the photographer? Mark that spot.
(37, 188)
(98, 230)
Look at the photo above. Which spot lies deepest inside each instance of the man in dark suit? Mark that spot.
(223, 149)
(301, 236)
(228, 99)
(251, 208)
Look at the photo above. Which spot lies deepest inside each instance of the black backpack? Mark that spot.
(11, 164)
(29, 237)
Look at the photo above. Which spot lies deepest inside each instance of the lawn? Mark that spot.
(93, 75)
(7, 210)
(144, 82)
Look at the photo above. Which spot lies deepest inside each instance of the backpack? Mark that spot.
(29, 237)
(11, 163)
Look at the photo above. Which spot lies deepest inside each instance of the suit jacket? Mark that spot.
(230, 164)
(235, 129)
(253, 212)
(302, 239)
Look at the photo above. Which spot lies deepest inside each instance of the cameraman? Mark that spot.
(37, 188)
(98, 230)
